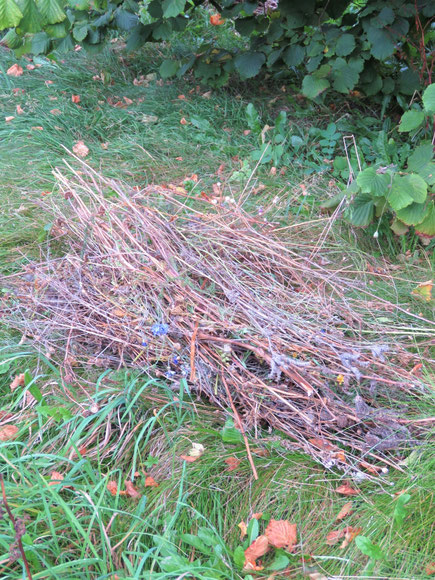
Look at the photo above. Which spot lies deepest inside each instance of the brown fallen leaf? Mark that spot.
(9, 118)
(30, 66)
(345, 511)
(183, 121)
(232, 463)
(430, 569)
(37, 128)
(130, 490)
(181, 97)
(17, 382)
(188, 458)
(247, 132)
(243, 529)
(19, 110)
(56, 112)
(335, 536)
(55, 478)
(347, 489)
(258, 548)
(127, 101)
(75, 99)
(150, 482)
(350, 534)
(322, 444)
(8, 432)
(80, 149)
(15, 70)
(281, 534)
(257, 516)
(112, 487)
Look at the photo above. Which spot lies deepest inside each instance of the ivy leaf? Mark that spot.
(382, 45)
(412, 214)
(345, 45)
(362, 209)
(429, 99)
(248, 65)
(405, 190)
(313, 86)
(427, 226)
(10, 14)
(368, 548)
(372, 182)
(168, 68)
(410, 121)
(294, 55)
(31, 21)
(173, 8)
(51, 11)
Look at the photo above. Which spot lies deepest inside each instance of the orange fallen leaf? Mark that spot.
(150, 482)
(375, 469)
(246, 132)
(30, 66)
(243, 529)
(216, 20)
(345, 511)
(75, 99)
(119, 313)
(261, 452)
(258, 548)
(350, 534)
(37, 128)
(257, 516)
(181, 97)
(19, 110)
(47, 83)
(80, 149)
(56, 112)
(178, 159)
(430, 569)
(127, 101)
(340, 456)
(17, 382)
(112, 487)
(16, 91)
(193, 178)
(322, 444)
(183, 121)
(15, 70)
(8, 432)
(335, 536)
(130, 490)
(55, 478)
(104, 145)
(281, 534)
(8, 119)
(423, 291)
(188, 458)
(232, 463)
(347, 489)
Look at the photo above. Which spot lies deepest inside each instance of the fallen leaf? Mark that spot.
(112, 487)
(183, 121)
(80, 149)
(335, 536)
(188, 458)
(47, 83)
(246, 132)
(104, 145)
(350, 534)
(55, 478)
(347, 489)
(181, 97)
(375, 469)
(261, 452)
(8, 119)
(119, 313)
(19, 110)
(37, 128)
(345, 511)
(75, 99)
(17, 382)
(197, 450)
(206, 95)
(127, 101)
(216, 20)
(423, 291)
(232, 463)
(258, 515)
(258, 548)
(243, 529)
(130, 490)
(322, 444)
(193, 178)
(15, 70)
(8, 432)
(281, 534)
(30, 66)
(150, 482)
(178, 159)
(16, 91)
(56, 112)
(430, 569)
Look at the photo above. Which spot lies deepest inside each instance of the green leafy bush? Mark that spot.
(374, 47)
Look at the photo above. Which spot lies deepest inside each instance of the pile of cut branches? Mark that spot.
(251, 315)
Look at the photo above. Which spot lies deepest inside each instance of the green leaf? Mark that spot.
(400, 510)
(382, 45)
(51, 11)
(427, 226)
(230, 434)
(163, 31)
(421, 162)
(252, 531)
(409, 82)
(253, 118)
(80, 31)
(372, 182)
(429, 99)
(239, 557)
(345, 74)
(334, 201)
(248, 65)
(399, 228)
(126, 20)
(294, 55)
(345, 45)
(280, 562)
(410, 121)
(10, 14)
(412, 214)
(173, 8)
(313, 86)
(168, 68)
(196, 543)
(406, 189)
(31, 21)
(368, 548)
(362, 210)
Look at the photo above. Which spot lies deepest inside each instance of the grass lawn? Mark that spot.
(120, 425)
